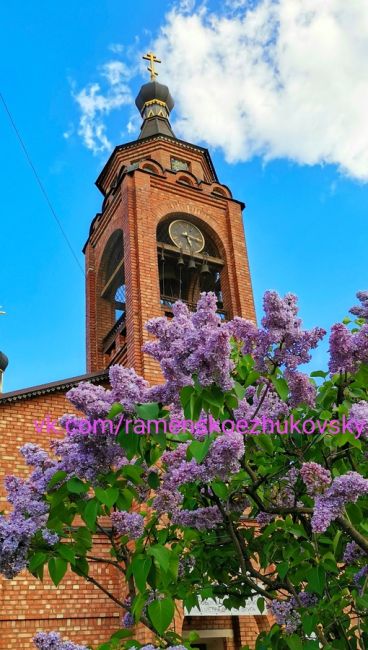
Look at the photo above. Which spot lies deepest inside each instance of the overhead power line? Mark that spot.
(39, 182)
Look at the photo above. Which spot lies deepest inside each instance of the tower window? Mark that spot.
(112, 298)
(179, 165)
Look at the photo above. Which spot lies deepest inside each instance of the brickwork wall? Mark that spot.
(76, 608)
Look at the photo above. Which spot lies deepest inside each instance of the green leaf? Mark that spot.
(121, 634)
(149, 411)
(89, 514)
(282, 569)
(83, 537)
(57, 569)
(294, 642)
(336, 540)
(261, 604)
(195, 407)
(185, 395)
(198, 449)
(252, 376)
(309, 621)
(161, 613)
(115, 410)
(66, 552)
(265, 441)
(36, 561)
(316, 580)
(280, 386)
(129, 442)
(107, 497)
(58, 476)
(161, 555)
(362, 375)
(220, 489)
(76, 486)
(319, 373)
(133, 472)
(153, 480)
(141, 566)
(81, 567)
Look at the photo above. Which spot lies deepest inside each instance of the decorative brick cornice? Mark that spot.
(137, 143)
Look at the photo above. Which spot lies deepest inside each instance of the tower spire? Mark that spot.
(154, 103)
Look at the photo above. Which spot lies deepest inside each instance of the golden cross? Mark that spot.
(152, 58)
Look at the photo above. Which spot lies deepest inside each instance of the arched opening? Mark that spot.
(112, 296)
(189, 262)
(186, 180)
(150, 167)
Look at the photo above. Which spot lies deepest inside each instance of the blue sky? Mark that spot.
(286, 129)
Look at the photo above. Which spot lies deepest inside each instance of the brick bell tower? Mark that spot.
(167, 230)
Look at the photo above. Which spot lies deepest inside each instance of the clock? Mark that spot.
(186, 236)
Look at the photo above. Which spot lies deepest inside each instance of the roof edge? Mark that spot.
(52, 387)
(159, 136)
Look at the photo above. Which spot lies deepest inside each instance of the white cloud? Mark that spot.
(276, 79)
(116, 48)
(96, 102)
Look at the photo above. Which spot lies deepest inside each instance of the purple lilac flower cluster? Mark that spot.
(127, 388)
(358, 577)
(352, 553)
(329, 505)
(304, 599)
(284, 492)
(347, 349)
(264, 518)
(359, 411)
(29, 514)
(270, 406)
(281, 342)
(186, 564)
(128, 523)
(86, 456)
(128, 620)
(285, 610)
(361, 310)
(222, 461)
(285, 615)
(315, 477)
(190, 343)
(201, 518)
(301, 390)
(53, 641)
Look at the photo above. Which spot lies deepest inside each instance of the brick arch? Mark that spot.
(151, 165)
(198, 220)
(216, 249)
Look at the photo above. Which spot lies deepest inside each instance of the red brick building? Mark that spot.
(167, 229)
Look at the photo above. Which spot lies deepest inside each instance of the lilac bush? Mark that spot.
(222, 513)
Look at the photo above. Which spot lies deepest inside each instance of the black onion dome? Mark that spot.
(3, 361)
(154, 90)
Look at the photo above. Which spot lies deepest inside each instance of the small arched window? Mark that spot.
(113, 279)
(186, 180)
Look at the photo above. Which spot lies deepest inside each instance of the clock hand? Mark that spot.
(195, 238)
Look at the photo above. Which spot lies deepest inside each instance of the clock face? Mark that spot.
(186, 236)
